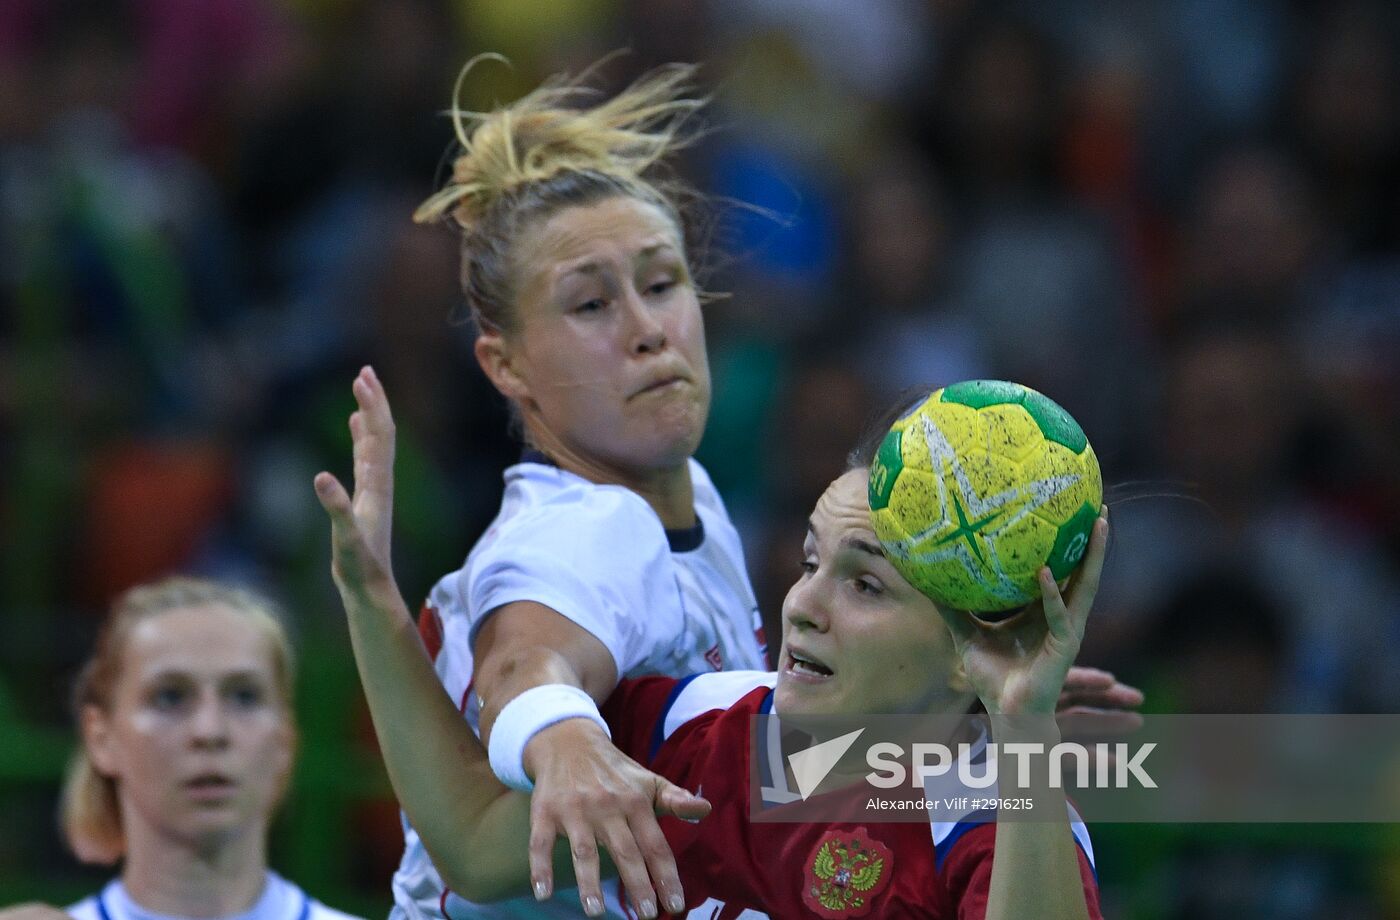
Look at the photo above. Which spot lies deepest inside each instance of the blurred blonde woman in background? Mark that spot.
(187, 741)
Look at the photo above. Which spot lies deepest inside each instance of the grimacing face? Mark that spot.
(857, 637)
(198, 737)
(608, 362)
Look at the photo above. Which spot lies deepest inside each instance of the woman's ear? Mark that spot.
(97, 739)
(500, 360)
(957, 680)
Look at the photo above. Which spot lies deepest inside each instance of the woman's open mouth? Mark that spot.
(802, 666)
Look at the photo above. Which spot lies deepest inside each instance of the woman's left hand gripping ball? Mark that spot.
(1018, 666)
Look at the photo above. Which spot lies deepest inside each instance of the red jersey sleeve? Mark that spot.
(966, 872)
(635, 711)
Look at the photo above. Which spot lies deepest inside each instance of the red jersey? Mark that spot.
(696, 732)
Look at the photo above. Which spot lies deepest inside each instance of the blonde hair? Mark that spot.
(520, 163)
(90, 810)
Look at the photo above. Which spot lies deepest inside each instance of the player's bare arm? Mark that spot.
(474, 827)
(1019, 669)
(586, 790)
(477, 830)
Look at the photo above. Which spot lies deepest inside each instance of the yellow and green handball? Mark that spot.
(978, 487)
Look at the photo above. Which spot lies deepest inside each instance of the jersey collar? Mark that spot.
(681, 540)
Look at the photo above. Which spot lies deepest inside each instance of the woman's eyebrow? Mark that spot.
(592, 267)
(253, 674)
(862, 545)
(648, 252)
(167, 673)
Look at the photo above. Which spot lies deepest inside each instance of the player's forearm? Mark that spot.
(1035, 873)
(475, 829)
(438, 768)
(505, 673)
(1035, 869)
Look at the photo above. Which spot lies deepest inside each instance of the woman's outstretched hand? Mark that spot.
(361, 527)
(589, 792)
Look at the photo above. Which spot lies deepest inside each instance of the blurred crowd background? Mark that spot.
(1179, 218)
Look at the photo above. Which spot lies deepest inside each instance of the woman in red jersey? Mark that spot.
(857, 638)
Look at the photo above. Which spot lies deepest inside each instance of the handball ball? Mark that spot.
(977, 488)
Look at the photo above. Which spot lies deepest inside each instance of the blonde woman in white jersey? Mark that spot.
(612, 555)
(187, 743)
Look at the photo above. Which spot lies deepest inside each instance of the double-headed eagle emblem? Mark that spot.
(845, 873)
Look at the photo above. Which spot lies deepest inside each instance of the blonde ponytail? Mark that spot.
(90, 814)
(547, 133)
(550, 150)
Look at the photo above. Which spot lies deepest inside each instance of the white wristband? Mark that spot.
(528, 714)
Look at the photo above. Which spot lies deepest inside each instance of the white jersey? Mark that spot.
(662, 602)
(280, 900)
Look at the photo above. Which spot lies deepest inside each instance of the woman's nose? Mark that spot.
(806, 605)
(210, 724)
(646, 333)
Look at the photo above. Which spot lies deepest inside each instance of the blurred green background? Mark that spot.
(1180, 218)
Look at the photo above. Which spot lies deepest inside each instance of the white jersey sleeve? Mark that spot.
(598, 556)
